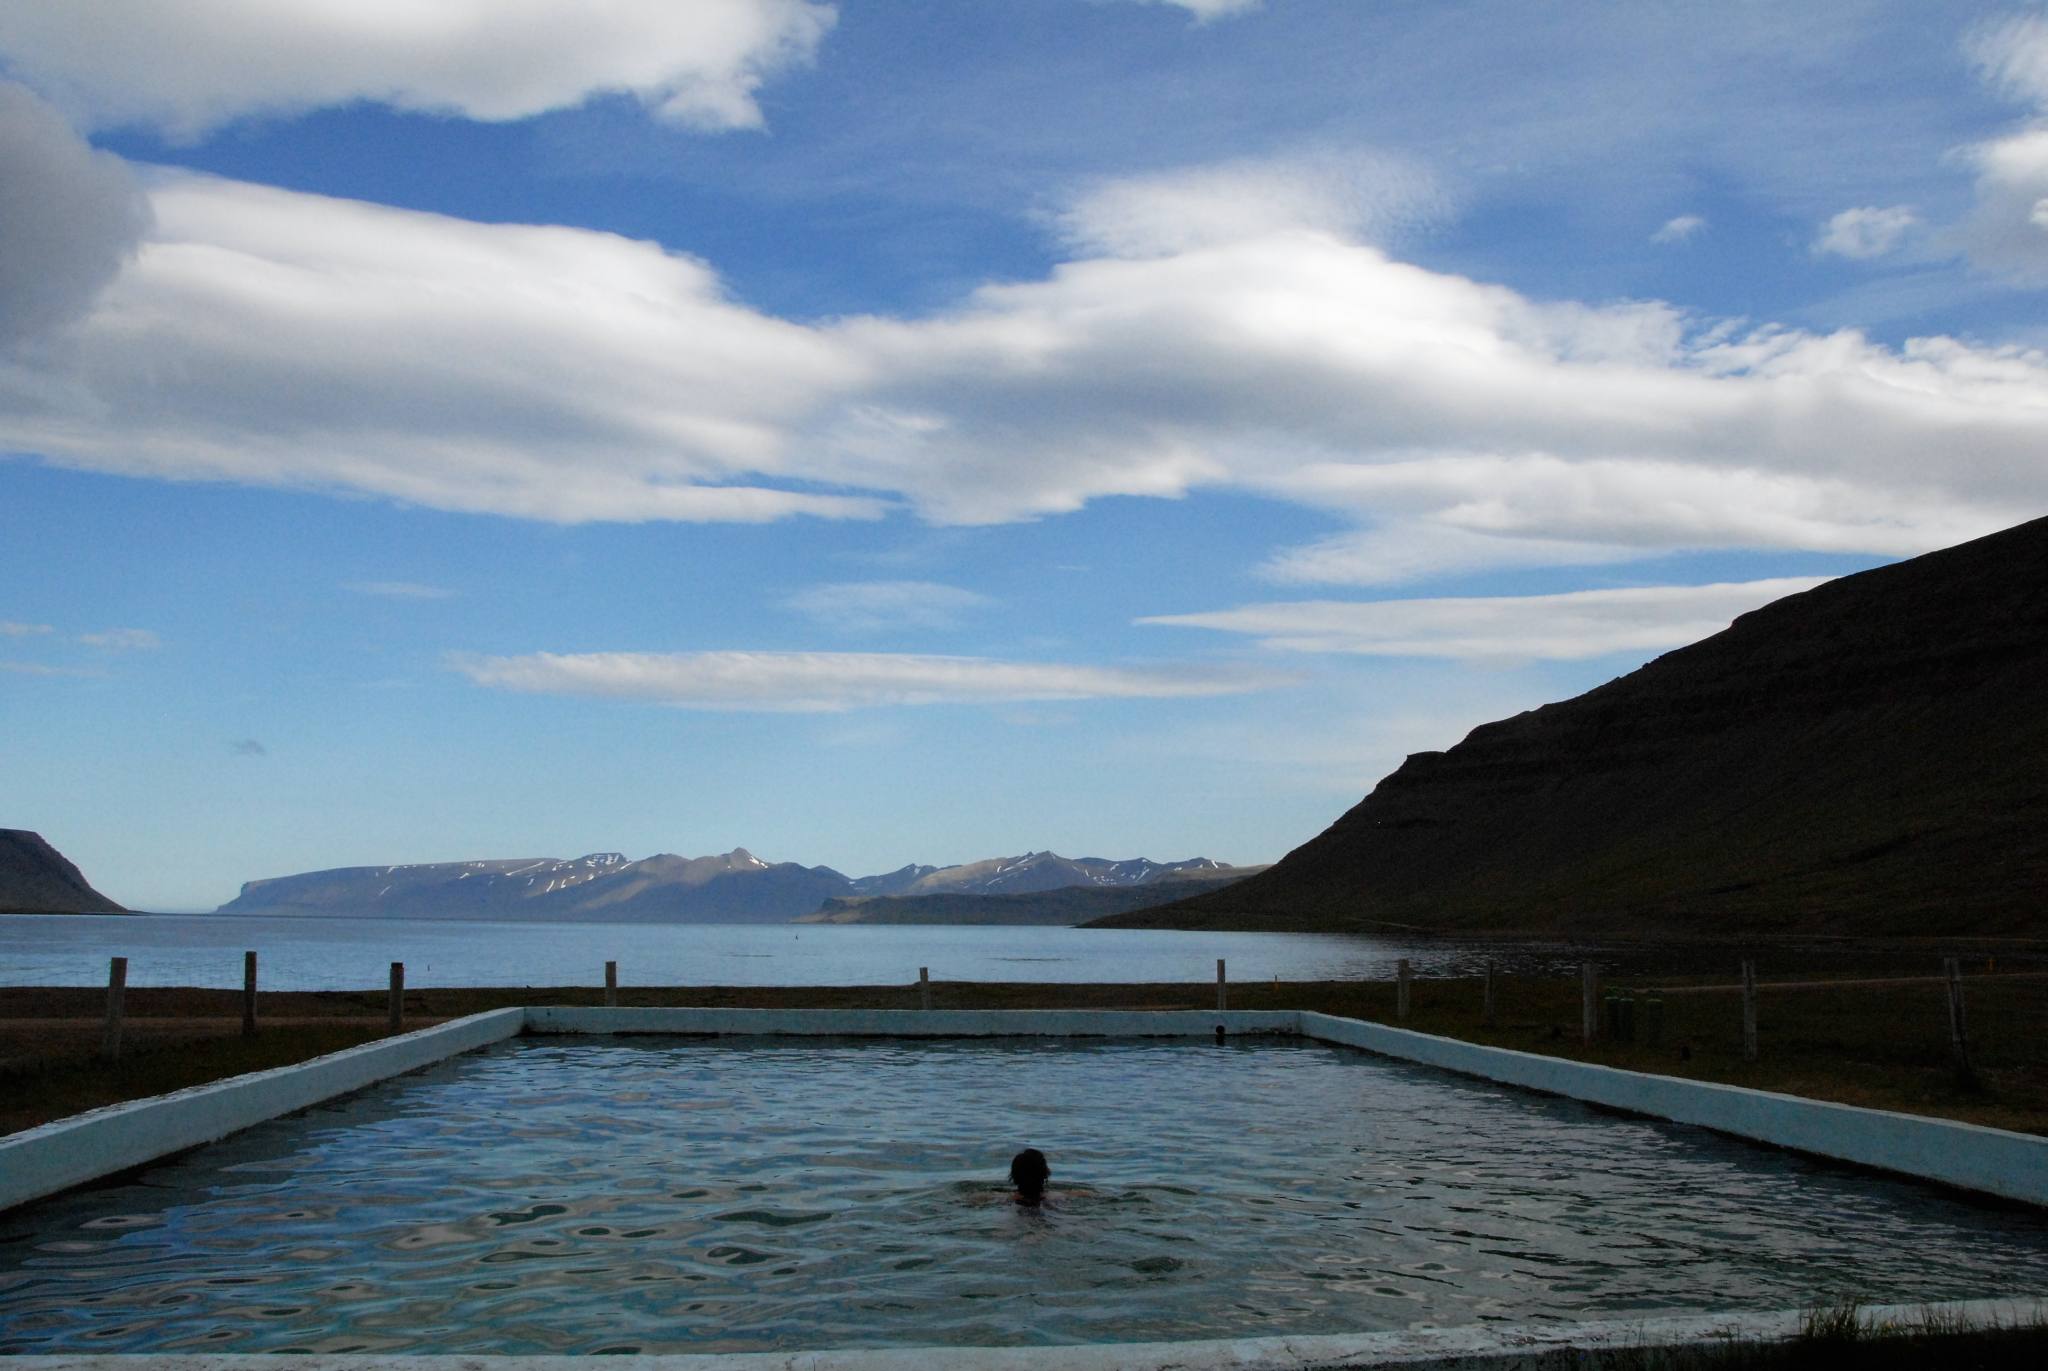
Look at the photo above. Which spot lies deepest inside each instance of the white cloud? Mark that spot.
(275, 338)
(1579, 624)
(1308, 367)
(822, 681)
(1866, 232)
(2007, 230)
(2011, 54)
(1208, 10)
(1682, 229)
(188, 65)
(10, 628)
(69, 217)
(400, 590)
(123, 640)
(1353, 193)
(871, 606)
(1413, 550)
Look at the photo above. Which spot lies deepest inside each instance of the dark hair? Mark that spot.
(1029, 1173)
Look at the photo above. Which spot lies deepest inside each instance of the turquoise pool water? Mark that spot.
(594, 1195)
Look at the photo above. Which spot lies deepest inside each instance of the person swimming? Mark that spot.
(1029, 1173)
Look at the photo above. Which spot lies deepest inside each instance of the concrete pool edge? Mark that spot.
(915, 1023)
(39, 1162)
(1992, 1161)
(1479, 1347)
(44, 1161)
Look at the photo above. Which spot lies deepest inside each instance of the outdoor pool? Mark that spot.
(666, 1195)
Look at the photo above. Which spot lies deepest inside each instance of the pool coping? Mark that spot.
(58, 1156)
(1476, 1347)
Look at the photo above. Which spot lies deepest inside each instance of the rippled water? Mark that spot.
(605, 1195)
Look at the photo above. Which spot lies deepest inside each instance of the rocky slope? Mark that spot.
(734, 887)
(36, 879)
(1870, 756)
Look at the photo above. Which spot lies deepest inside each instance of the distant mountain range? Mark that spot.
(36, 879)
(735, 887)
(1059, 906)
(1869, 757)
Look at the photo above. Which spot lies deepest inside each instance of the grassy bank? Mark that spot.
(1881, 1043)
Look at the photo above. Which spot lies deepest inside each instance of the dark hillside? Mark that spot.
(35, 879)
(1868, 757)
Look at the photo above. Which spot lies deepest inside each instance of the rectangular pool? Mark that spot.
(579, 1195)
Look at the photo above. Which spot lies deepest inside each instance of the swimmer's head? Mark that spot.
(1029, 1173)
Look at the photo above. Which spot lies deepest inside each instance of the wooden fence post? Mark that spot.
(249, 994)
(1486, 1012)
(1402, 975)
(611, 984)
(1749, 1050)
(1222, 988)
(397, 996)
(117, 994)
(924, 987)
(1958, 1025)
(1589, 1002)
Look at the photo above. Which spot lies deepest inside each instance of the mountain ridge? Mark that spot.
(35, 878)
(1866, 757)
(735, 886)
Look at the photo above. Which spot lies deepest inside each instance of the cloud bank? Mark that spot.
(831, 681)
(278, 338)
(1575, 625)
(189, 65)
(70, 218)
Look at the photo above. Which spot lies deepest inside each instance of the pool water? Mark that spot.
(610, 1195)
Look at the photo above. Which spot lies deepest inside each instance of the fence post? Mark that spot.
(397, 996)
(1749, 1052)
(117, 994)
(611, 984)
(1222, 988)
(1589, 1002)
(1486, 1013)
(1401, 996)
(924, 987)
(249, 994)
(1958, 1026)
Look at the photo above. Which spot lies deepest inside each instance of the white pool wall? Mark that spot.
(43, 1161)
(917, 1023)
(57, 1156)
(1992, 1161)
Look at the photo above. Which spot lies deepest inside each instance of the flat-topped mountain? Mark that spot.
(735, 887)
(1868, 757)
(36, 879)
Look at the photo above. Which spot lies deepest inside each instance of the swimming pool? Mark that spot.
(589, 1195)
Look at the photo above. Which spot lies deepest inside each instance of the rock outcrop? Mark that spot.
(36, 879)
(1868, 757)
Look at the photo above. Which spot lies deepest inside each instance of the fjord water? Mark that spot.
(662, 1195)
(353, 954)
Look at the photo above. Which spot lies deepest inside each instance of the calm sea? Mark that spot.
(355, 954)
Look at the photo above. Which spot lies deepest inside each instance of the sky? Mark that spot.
(907, 431)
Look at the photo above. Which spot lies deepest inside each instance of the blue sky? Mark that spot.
(887, 432)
